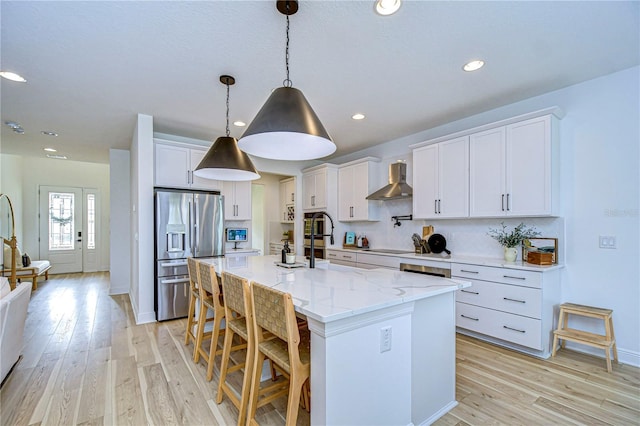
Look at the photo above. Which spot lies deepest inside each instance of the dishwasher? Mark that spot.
(426, 270)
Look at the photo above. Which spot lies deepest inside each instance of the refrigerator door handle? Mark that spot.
(175, 281)
(196, 224)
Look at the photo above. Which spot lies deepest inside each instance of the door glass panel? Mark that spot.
(91, 221)
(61, 222)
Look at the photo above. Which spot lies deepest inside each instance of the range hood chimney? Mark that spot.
(397, 187)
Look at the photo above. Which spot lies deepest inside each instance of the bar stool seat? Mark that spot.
(564, 333)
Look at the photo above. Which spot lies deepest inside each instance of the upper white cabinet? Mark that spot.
(441, 180)
(287, 200)
(316, 182)
(174, 166)
(237, 200)
(511, 170)
(356, 180)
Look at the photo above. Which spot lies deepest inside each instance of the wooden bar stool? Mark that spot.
(290, 350)
(239, 319)
(210, 298)
(194, 299)
(606, 341)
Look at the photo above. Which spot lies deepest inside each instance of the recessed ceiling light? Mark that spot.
(50, 150)
(12, 76)
(57, 157)
(239, 123)
(357, 116)
(387, 7)
(473, 65)
(44, 132)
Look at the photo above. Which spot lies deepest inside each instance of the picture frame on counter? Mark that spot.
(541, 247)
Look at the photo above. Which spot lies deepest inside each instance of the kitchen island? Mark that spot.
(382, 341)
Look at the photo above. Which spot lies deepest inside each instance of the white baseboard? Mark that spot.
(624, 356)
(142, 317)
(441, 412)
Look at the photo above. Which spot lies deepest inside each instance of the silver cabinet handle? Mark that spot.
(435, 206)
(514, 278)
(514, 300)
(439, 206)
(507, 202)
(292, 200)
(502, 202)
(471, 318)
(514, 329)
(467, 291)
(347, 257)
(469, 272)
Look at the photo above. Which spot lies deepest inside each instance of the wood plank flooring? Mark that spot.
(85, 362)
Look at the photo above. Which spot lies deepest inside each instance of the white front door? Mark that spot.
(61, 228)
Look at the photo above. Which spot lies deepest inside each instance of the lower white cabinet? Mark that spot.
(512, 307)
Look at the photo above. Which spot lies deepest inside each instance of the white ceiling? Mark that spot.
(92, 66)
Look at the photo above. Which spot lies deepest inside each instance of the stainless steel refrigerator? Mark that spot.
(188, 224)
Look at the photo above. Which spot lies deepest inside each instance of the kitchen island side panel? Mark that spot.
(353, 382)
(433, 358)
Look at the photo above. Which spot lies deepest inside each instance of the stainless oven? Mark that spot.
(426, 270)
(318, 243)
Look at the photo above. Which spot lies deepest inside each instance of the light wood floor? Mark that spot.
(86, 362)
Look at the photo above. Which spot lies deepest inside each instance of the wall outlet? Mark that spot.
(607, 241)
(385, 339)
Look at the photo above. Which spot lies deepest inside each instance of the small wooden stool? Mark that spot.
(606, 342)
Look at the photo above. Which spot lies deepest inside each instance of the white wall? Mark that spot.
(45, 171)
(11, 184)
(142, 277)
(599, 144)
(120, 231)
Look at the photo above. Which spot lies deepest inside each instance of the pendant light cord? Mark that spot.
(228, 110)
(287, 82)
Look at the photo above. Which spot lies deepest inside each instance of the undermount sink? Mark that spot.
(389, 251)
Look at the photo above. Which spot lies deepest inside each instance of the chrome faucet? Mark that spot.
(312, 256)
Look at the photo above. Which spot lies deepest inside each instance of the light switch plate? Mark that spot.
(607, 241)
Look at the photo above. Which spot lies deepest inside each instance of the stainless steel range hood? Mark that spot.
(397, 187)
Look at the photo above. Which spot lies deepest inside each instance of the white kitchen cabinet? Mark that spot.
(441, 180)
(511, 307)
(316, 182)
(512, 170)
(237, 200)
(174, 166)
(356, 180)
(287, 200)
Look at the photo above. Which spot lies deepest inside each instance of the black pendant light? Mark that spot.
(224, 160)
(287, 128)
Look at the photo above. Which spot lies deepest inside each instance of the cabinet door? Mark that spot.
(290, 192)
(345, 193)
(283, 202)
(453, 157)
(308, 191)
(487, 173)
(237, 200)
(171, 166)
(359, 192)
(528, 163)
(196, 155)
(425, 182)
(321, 190)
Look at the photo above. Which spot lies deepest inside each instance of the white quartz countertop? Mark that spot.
(328, 294)
(469, 260)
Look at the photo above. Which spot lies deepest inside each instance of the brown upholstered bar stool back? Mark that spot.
(274, 312)
(210, 298)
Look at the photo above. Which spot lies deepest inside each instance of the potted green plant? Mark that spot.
(510, 240)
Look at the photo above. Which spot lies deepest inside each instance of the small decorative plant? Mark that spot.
(513, 238)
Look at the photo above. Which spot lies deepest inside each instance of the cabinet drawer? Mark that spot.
(340, 255)
(503, 297)
(500, 275)
(512, 328)
(380, 261)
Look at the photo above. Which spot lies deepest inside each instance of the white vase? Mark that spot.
(510, 254)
